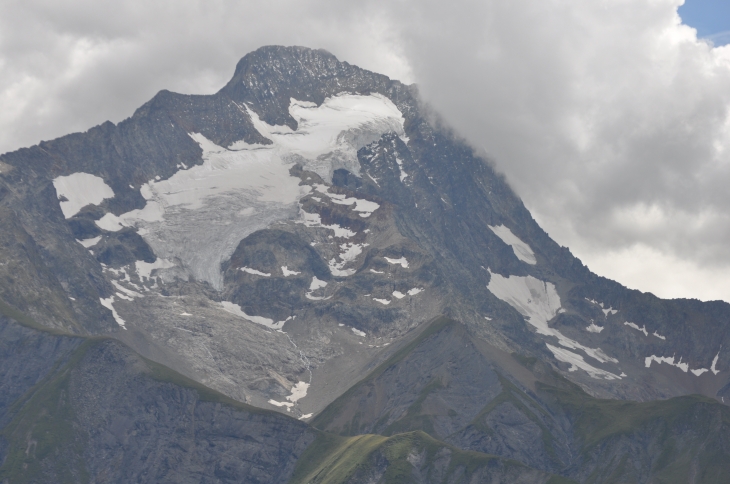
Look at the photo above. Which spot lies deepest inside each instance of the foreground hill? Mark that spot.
(102, 413)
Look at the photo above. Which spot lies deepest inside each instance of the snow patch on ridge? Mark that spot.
(669, 360)
(682, 366)
(520, 248)
(79, 190)
(328, 136)
(636, 327)
(606, 312)
(538, 302)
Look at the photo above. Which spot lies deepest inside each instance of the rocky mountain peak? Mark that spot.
(269, 77)
(309, 239)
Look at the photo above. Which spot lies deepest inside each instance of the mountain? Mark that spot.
(309, 277)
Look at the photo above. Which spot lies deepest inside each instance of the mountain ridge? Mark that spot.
(279, 240)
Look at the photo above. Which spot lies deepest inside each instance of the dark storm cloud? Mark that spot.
(609, 118)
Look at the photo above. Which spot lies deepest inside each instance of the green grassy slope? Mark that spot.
(403, 458)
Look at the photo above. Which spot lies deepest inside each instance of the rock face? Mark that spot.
(310, 226)
(107, 415)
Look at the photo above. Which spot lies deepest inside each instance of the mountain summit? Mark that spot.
(311, 244)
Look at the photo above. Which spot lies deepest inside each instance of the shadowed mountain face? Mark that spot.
(312, 240)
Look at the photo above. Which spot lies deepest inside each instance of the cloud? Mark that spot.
(609, 118)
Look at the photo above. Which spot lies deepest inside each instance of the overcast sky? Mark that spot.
(609, 117)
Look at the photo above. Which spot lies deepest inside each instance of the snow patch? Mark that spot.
(521, 249)
(594, 328)
(538, 302)
(403, 174)
(286, 272)
(349, 253)
(288, 405)
(236, 310)
(659, 336)
(637, 328)
(384, 302)
(668, 360)
(254, 272)
(402, 261)
(376, 272)
(314, 220)
(144, 269)
(364, 207)
(79, 190)
(109, 222)
(606, 312)
(298, 392)
(414, 291)
(576, 361)
(713, 369)
(328, 136)
(315, 285)
(398, 294)
(128, 292)
(89, 242)
(358, 332)
(109, 304)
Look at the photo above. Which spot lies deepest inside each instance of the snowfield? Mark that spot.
(538, 302)
(199, 215)
(80, 190)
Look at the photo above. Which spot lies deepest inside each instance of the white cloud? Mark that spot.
(609, 117)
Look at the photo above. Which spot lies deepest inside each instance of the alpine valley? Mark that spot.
(308, 278)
